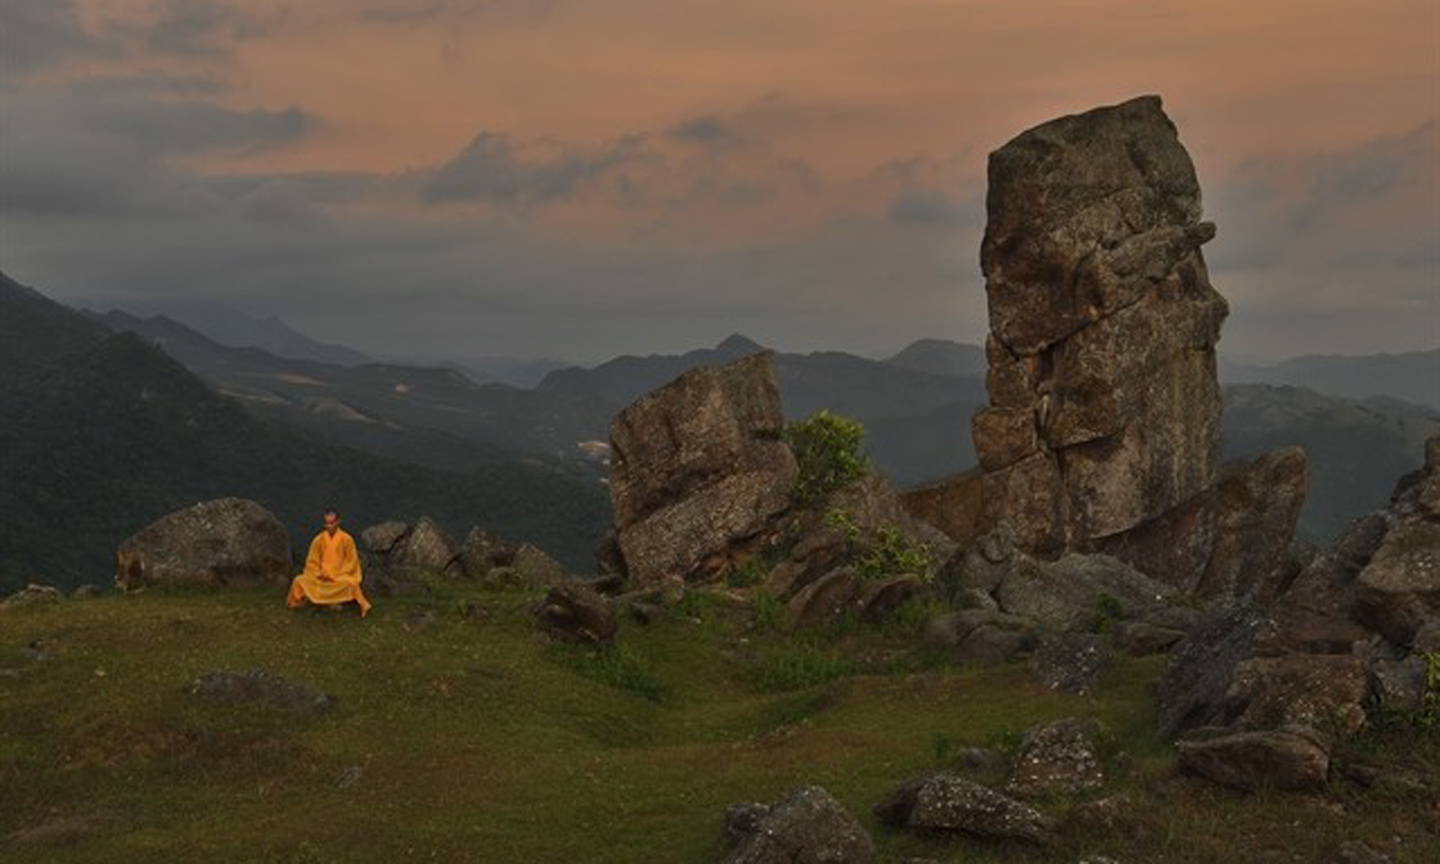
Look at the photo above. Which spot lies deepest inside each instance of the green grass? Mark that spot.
(477, 739)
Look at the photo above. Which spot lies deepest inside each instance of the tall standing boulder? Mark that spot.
(698, 468)
(225, 542)
(1104, 403)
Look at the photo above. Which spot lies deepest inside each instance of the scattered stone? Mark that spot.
(574, 612)
(1427, 639)
(1399, 685)
(1070, 662)
(261, 686)
(1398, 592)
(225, 542)
(1192, 692)
(948, 803)
(537, 568)
(1310, 689)
(808, 826)
(1107, 816)
(982, 635)
(1291, 757)
(697, 468)
(381, 539)
(979, 760)
(86, 591)
(347, 777)
(424, 548)
(744, 819)
(825, 600)
(36, 651)
(1058, 757)
(30, 595)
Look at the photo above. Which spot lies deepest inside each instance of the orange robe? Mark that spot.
(332, 573)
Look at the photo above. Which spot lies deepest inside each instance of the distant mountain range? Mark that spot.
(105, 432)
(1412, 377)
(419, 428)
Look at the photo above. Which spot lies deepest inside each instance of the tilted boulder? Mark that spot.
(950, 804)
(1231, 540)
(1398, 592)
(1104, 404)
(698, 468)
(224, 542)
(808, 826)
(1291, 757)
(578, 614)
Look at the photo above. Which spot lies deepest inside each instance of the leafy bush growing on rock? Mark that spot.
(827, 452)
(888, 553)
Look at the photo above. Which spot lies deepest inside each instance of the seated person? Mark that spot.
(332, 570)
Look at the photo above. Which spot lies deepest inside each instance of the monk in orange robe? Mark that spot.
(332, 570)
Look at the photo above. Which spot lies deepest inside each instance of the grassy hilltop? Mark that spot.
(461, 733)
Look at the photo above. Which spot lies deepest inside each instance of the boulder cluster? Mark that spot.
(1052, 761)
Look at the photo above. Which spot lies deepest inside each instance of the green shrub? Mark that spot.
(827, 451)
(892, 553)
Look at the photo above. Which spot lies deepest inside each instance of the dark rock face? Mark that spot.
(1192, 692)
(808, 826)
(228, 541)
(1104, 404)
(952, 505)
(698, 468)
(1231, 540)
(1058, 757)
(577, 613)
(948, 803)
(1291, 757)
(261, 686)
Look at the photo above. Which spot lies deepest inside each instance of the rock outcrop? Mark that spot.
(1103, 428)
(1337, 642)
(698, 470)
(1104, 405)
(224, 542)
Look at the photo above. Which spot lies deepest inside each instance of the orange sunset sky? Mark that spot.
(583, 178)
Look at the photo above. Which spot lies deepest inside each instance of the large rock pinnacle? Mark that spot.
(1104, 403)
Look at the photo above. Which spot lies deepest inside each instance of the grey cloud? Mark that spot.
(198, 28)
(492, 168)
(708, 129)
(98, 147)
(41, 32)
(404, 13)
